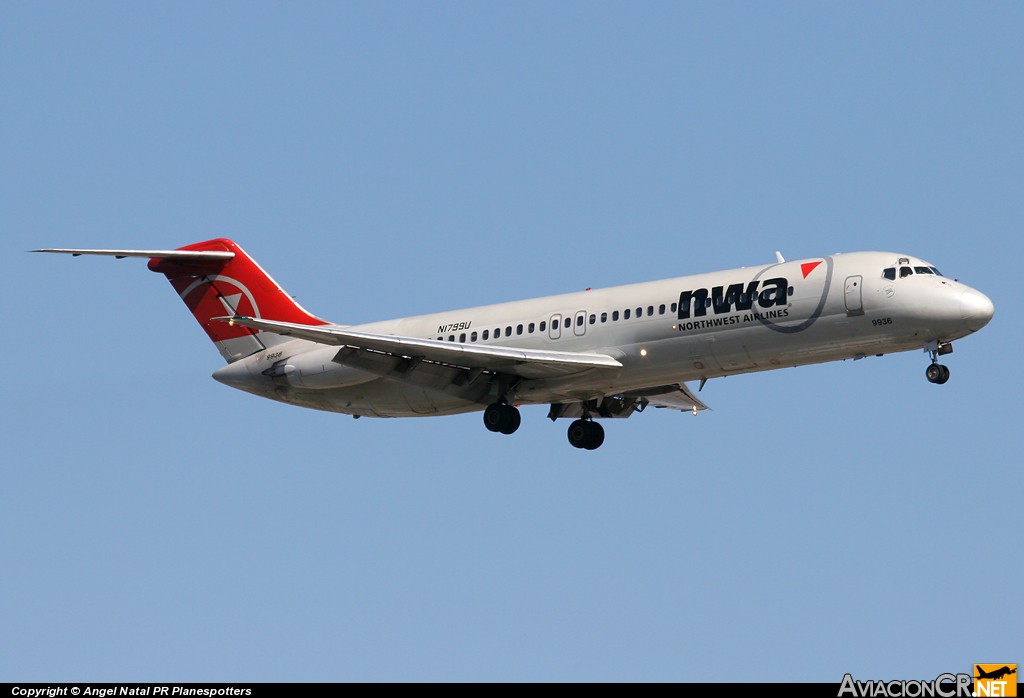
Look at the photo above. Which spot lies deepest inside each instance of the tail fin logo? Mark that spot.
(215, 295)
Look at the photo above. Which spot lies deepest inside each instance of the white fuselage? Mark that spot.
(662, 332)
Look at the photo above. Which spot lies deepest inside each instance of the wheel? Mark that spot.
(578, 433)
(937, 373)
(596, 436)
(502, 418)
(493, 417)
(512, 420)
(586, 434)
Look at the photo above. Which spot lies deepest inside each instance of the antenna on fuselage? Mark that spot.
(778, 257)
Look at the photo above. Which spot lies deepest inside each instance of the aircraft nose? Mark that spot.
(976, 309)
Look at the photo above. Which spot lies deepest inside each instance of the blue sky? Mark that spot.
(386, 159)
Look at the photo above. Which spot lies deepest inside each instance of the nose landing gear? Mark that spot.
(936, 372)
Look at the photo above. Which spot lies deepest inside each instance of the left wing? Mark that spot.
(526, 363)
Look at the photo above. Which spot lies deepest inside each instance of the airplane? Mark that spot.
(596, 354)
(996, 674)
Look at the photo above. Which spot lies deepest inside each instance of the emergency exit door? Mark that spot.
(854, 295)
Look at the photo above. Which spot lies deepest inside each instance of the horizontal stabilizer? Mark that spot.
(187, 255)
(528, 363)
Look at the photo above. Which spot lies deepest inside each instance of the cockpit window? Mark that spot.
(889, 273)
(923, 270)
(905, 272)
(935, 271)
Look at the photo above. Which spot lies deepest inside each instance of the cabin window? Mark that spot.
(472, 337)
(451, 338)
(567, 323)
(625, 314)
(650, 310)
(519, 329)
(661, 309)
(531, 327)
(604, 317)
(615, 316)
(579, 321)
(487, 334)
(639, 312)
(462, 338)
(674, 307)
(593, 319)
(543, 325)
(508, 331)
(440, 339)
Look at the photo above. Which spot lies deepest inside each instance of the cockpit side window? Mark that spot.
(905, 272)
(935, 271)
(889, 273)
(922, 270)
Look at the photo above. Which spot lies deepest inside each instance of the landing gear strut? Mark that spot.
(502, 417)
(587, 434)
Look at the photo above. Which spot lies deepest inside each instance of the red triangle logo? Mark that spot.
(808, 267)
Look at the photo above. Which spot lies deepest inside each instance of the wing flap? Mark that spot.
(527, 363)
(676, 397)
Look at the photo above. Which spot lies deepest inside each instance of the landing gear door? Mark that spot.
(854, 296)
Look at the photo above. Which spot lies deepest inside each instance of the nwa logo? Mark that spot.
(770, 293)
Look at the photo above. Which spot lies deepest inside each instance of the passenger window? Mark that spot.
(451, 338)
(639, 312)
(519, 329)
(530, 328)
(579, 321)
(615, 316)
(593, 319)
(508, 331)
(905, 272)
(674, 307)
(440, 339)
(661, 309)
(625, 314)
(567, 323)
(472, 337)
(650, 310)
(543, 325)
(604, 317)
(889, 273)
(462, 338)
(487, 333)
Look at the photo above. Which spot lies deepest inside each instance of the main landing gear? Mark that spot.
(936, 372)
(584, 433)
(502, 417)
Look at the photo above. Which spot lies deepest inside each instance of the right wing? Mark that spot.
(526, 363)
